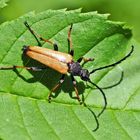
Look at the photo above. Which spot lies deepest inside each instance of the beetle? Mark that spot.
(64, 63)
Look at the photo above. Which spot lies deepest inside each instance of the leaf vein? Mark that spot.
(23, 119)
(115, 117)
(47, 121)
(131, 96)
(81, 122)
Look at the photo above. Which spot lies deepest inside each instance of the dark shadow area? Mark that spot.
(49, 78)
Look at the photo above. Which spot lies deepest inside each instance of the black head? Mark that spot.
(84, 74)
(76, 70)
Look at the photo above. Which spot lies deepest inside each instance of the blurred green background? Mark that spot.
(120, 10)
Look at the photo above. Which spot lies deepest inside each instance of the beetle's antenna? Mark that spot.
(96, 119)
(111, 86)
(105, 100)
(111, 65)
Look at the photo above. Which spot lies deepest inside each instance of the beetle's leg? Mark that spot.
(85, 59)
(23, 67)
(41, 38)
(76, 90)
(56, 87)
(70, 50)
(50, 42)
(32, 32)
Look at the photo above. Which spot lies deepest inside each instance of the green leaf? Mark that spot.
(3, 3)
(24, 110)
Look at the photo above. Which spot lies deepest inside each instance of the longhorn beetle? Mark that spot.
(64, 63)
